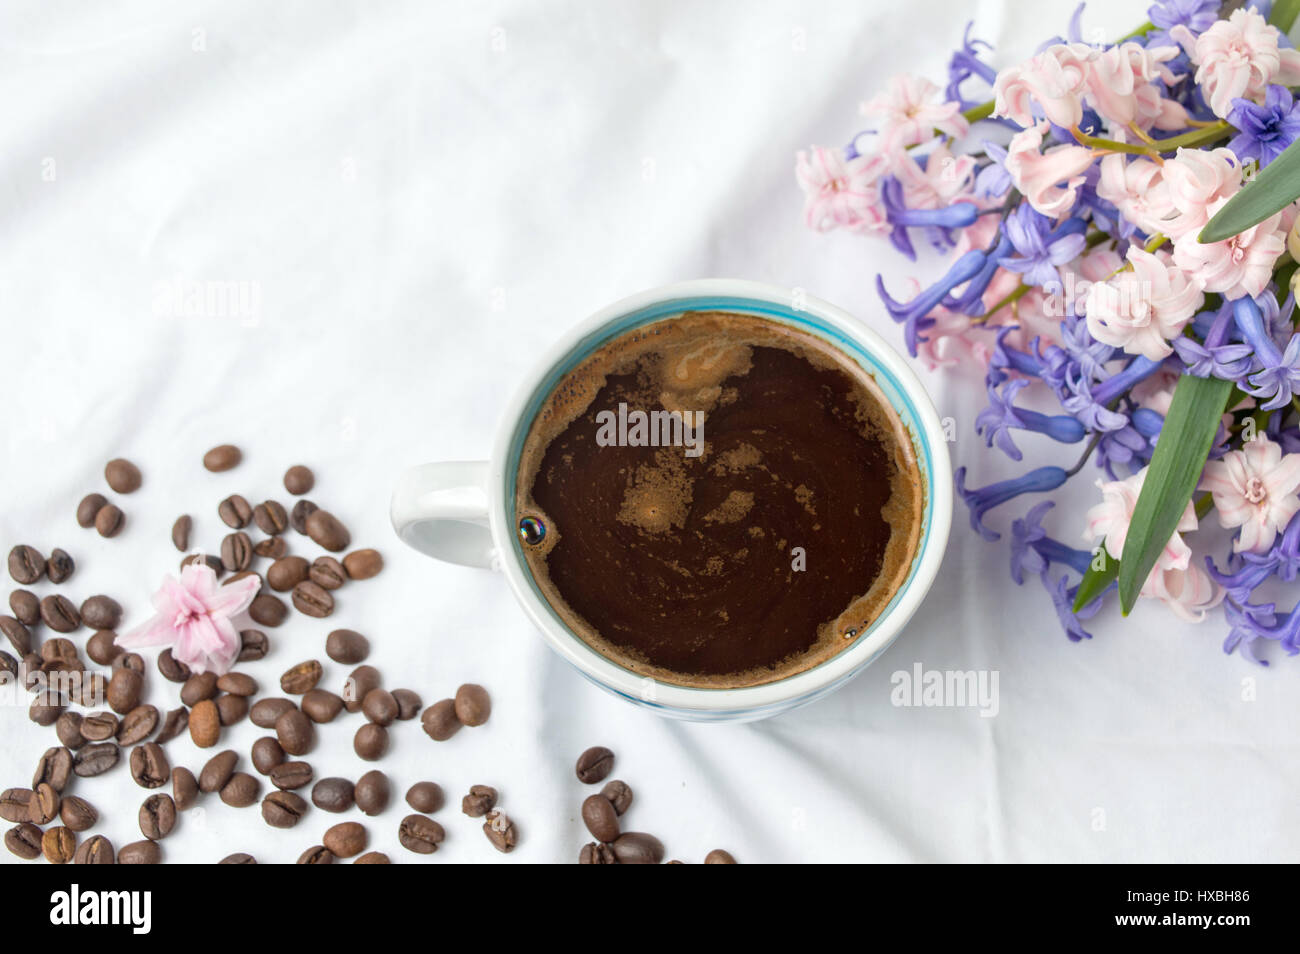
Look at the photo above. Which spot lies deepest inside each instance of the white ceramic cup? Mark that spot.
(463, 511)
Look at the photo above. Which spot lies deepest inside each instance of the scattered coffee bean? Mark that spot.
(157, 816)
(312, 600)
(619, 794)
(144, 852)
(137, 725)
(174, 723)
(110, 520)
(346, 839)
(102, 647)
(409, 704)
(60, 566)
(54, 768)
(439, 720)
(299, 480)
(235, 512)
(181, 532)
(238, 858)
(373, 858)
(594, 853)
(316, 855)
(718, 856)
(360, 682)
(363, 564)
(15, 804)
(185, 788)
(601, 819)
(198, 687)
(300, 678)
(253, 645)
(638, 848)
(90, 505)
(26, 565)
(291, 775)
(205, 724)
(480, 800)
(286, 573)
(172, 669)
(321, 705)
(298, 516)
(267, 754)
(44, 805)
(271, 518)
(236, 551)
(473, 704)
(327, 530)
(420, 834)
(149, 765)
(60, 655)
(24, 841)
(231, 709)
(371, 742)
(47, 707)
(222, 457)
(379, 707)
(59, 845)
(26, 607)
(131, 661)
(19, 636)
(77, 813)
(95, 850)
(500, 830)
(124, 689)
(283, 809)
(241, 791)
(266, 711)
(237, 684)
(295, 733)
(333, 795)
(217, 771)
(101, 612)
(594, 764)
(347, 646)
(8, 664)
(60, 614)
(122, 476)
(373, 792)
(272, 548)
(425, 797)
(268, 610)
(327, 573)
(99, 726)
(68, 728)
(96, 759)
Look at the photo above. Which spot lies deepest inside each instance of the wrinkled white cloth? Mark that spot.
(403, 203)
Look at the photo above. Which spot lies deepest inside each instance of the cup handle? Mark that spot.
(441, 509)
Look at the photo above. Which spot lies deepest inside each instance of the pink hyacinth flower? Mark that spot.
(1194, 180)
(1109, 521)
(1238, 57)
(909, 114)
(1119, 82)
(193, 618)
(1055, 80)
(1137, 189)
(1142, 309)
(1048, 180)
(1255, 489)
(1189, 592)
(1236, 267)
(842, 193)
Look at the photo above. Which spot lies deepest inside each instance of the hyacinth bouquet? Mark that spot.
(1121, 221)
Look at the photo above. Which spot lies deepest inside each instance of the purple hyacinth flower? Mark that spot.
(1248, 623)
(1088, 410)
(966, 63)
(1125, 447)
(993, 181)
(983, 499)
(956, 216)
(1032, 550)
(1278, 376)
(1040, 248)
(997, 420)
(1265, 130)
(914, 315)
(1063, 602)
(1197, 15)
(1004, 359)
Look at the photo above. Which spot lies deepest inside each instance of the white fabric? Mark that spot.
(419, 197)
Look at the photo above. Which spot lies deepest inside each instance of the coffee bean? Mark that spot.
(298, 516)
(237, 684)
(719, 856)
(203, 559)
(268, 610)
(149, 765)
(291, 775)
(99, 726)
(327, 573)
(425, 797)
(316, 855)
(96, 759)
(90, 505)
(363, 564)
(60, 614)
(638, 848)
(95, 850)
(360, 682)
(299, 479)
(619, 795)
(181, 532)
(235, 512)
(24, 841)
(286, 573)
(271, 518)
(171, 668)
(253, 645)
(185, 788)
(137, 725)
(122, 476)
(379, 707)
(300, 678)
(26, 607)
(60, 655)
(205, 724)
(217, 770)
(198, 687)
(144, 852)
(19, 636)
(346, 839)
(157, 816)
(373, 858)
(124, 690)
(266, 711)
(222, 457)
(54, 768)
(231, 709)
(8, 664)
(272, 548)
(420, 834)
(68, 728)
(26, 565)
(333, 795)
(347, 646)
(283, 809)
(294, 732)
(241, 791)
(480, 800)
(594, 853)
(101, 612)
(326, 529)
(174, 723)
(131, 661)
(15, 804)
(102, 647)
(321, 705)
(473, 705)
(238, 858)
(600, 818)
(267, 754)
(409, 704)
(500, 830)
(46, 708)
(77, 813)
(110, 520)
(371, 742)
(439, 720)
(59, 845)
(594, 764)
(60, 566)
(312, 600)
(373, 792)
(236, 551)
(29, 669)
(44, 805)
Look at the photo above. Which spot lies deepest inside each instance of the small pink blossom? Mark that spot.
(1238, 57)
(840, 193)
(1236, 267)
(1142, 309)
(909, 113)
(1189, 592)
(945, 179)
(1055, 80)
(1194, 180)
(1119, 82)
(193, 618)
(1137, 189)
(1109, 521)
(1048, 180)
(1255, 489)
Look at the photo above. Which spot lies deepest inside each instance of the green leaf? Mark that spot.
(1095, 581)
(1273, 189)
(1176, 466)
(1284, 14)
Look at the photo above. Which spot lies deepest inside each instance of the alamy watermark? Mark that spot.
(651, 429)
(946, 689)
